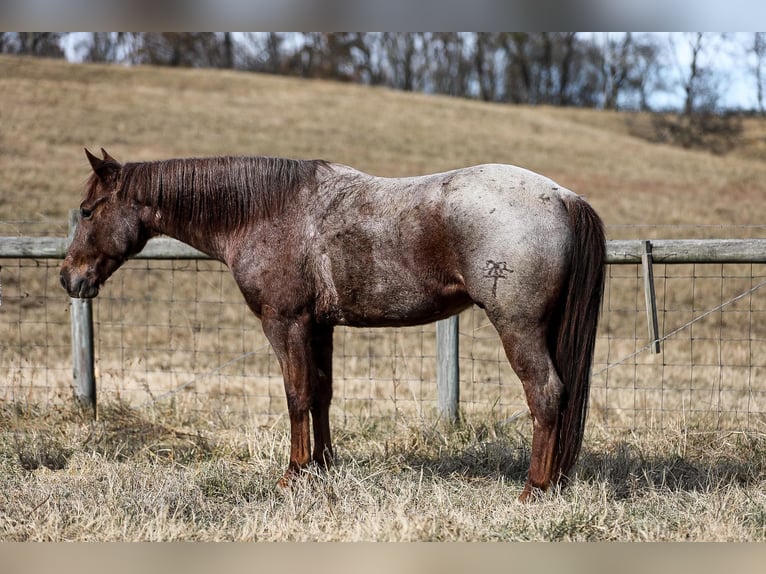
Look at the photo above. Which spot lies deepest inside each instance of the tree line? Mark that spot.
(599, 70)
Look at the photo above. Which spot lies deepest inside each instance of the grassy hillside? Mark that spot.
(50, 110)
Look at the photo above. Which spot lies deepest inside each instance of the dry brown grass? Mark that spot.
(202, 465)
(155, 475)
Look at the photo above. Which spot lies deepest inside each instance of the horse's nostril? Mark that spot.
(66, 282)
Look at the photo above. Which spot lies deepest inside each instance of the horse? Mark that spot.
(313, 244)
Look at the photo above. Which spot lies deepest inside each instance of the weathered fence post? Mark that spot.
(447, 369)
(647, 264)
(82, 342)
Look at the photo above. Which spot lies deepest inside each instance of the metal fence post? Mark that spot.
(647, 265)
(447, 369)
(83, 371)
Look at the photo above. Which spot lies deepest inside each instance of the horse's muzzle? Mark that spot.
(78, 287)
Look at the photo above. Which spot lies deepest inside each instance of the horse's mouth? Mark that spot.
(86, 291)
(79, 288)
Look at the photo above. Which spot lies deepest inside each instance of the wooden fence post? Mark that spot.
(447, 369)
(83, 370)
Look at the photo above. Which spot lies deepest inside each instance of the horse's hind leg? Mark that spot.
(527, 351)
(321, 393)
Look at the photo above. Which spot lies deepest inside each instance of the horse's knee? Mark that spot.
(545, 401)
(298, 404)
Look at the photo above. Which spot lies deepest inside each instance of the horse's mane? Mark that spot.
(217, 192)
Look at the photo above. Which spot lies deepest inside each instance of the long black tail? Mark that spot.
(573, 336)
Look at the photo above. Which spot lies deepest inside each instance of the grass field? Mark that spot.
(151, 476)
(204, 467)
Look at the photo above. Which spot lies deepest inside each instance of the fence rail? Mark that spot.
(619, 253)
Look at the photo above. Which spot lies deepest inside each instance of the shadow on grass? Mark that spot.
(48, 438)
(41, 450)
(629, 467)
(123, 432)
(633, 469)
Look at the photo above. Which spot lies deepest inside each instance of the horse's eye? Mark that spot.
(86, 213)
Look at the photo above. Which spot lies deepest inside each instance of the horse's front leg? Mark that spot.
(290, 338)
(321, 392)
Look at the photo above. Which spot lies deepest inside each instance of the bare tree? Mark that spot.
(450, 65)
(645, 76)
(628, 67)
(616, 67)
(546, 68)
(405, 59)
(699, 123)
(759, 49)
(697, 78)
(228, 51)
(692, 79)
(567, 43)
(325, 55)
(263, 52)
(518, 49)
(42, 44)
(484, 56)
(273, 52)
(105, 46)
(180, 49)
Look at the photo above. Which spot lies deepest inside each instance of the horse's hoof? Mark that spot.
(288, 478)
(531, 493)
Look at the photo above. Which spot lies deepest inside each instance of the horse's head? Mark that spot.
(109, 230)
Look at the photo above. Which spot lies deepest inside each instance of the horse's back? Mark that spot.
(502, 186)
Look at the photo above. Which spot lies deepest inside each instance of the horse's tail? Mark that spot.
(573, 332)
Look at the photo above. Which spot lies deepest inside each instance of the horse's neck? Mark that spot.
(211, 244)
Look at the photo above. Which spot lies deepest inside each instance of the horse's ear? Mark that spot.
(95, 162)
(103, 168)
(107, 157)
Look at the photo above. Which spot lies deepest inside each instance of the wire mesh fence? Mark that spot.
(712, 358)
(178, 330)
(709, 373)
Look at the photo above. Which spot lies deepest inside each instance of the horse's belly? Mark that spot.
(392, 270)
(393, 303)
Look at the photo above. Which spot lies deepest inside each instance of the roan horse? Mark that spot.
(313, 244)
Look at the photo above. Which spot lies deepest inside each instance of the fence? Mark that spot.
(171, 326)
